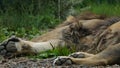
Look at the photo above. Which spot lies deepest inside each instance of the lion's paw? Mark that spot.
(62, 60)
(77, 55)
(8, 48)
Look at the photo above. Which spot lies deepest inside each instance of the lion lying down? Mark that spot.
(94, 34)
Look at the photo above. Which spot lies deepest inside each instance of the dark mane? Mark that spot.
(76, 31)
(99, 45)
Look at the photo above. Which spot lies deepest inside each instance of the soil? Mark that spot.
(23, 62)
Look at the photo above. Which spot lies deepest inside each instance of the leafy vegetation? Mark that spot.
(30, 18)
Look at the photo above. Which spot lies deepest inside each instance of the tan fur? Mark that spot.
(92, 24)
(55, 34)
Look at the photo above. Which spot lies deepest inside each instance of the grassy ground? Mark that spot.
(106, 7)
(26, 26)
(52, 53)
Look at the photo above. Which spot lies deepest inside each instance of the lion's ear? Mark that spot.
(70, 18)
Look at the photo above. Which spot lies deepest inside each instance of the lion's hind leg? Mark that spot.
(92, 61)
(107, 56)
(68, 60)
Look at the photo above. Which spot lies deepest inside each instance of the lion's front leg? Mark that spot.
(14, 46)
(10, 47)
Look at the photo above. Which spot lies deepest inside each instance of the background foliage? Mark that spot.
(27, 18)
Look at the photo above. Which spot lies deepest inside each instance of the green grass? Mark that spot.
(19, 32)
(26, 18)
(25, 26)
(52, 53)
(106, 9)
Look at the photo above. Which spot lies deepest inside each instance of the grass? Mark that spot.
(106, 9)
(25, 26)
(19, 32)
(52, 53)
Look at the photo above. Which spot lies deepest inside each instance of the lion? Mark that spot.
(96, 37)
